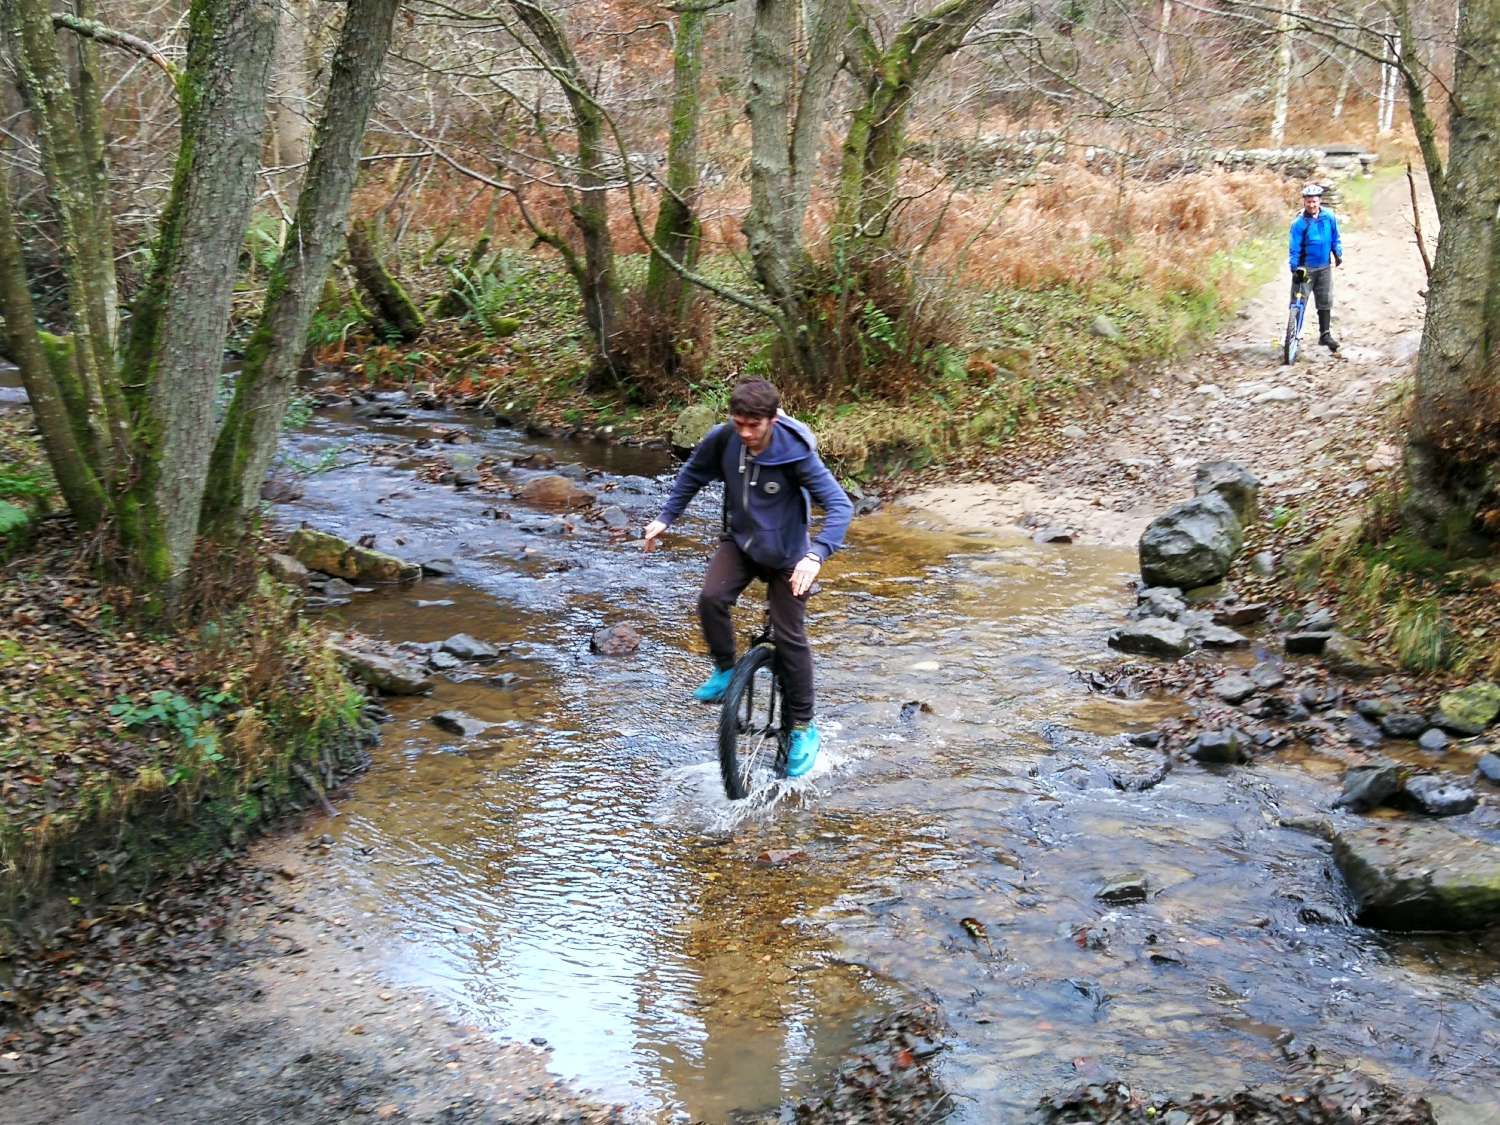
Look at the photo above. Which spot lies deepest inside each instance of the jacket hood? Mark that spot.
(790, 441)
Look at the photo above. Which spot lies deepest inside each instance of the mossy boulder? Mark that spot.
(1416, 876)
(692, 426)
(1469, 710)
(318, 550)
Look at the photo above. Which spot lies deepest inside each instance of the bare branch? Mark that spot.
(92, 29)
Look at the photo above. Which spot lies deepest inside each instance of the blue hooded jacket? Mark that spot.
(768, 499)
(1321, 241)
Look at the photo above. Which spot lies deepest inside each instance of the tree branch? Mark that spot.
(92, 29)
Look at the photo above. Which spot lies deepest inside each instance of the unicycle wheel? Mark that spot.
(755, 730)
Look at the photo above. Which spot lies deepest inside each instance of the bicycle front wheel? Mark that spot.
(1293, 335)
(755, 730)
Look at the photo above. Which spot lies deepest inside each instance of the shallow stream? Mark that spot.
(575, 875)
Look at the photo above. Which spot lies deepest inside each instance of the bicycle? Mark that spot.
(1294, 318)
(755, 728)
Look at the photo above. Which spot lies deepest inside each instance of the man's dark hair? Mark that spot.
(754, 398)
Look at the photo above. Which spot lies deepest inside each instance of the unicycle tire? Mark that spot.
(755, 730)
(1293, 337)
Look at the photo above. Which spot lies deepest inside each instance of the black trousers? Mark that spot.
(1321, 284)
(729, 572)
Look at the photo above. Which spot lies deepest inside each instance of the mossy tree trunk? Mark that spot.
(588, 195)
(677, 230)
(398, 314)
(247, 439)
(891, 77)
(786, 119)
(1452, 461)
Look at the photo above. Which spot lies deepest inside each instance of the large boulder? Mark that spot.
(692, 426)
(1235, 484)
(318, 550)
(1469, 710)
(389, 675)
(1419, 876)
(1192, 544)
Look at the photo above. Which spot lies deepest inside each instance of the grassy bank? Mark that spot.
(123, 753)
(1019, 348)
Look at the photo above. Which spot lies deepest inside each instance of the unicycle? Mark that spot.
(755, 728)
(1294, 317)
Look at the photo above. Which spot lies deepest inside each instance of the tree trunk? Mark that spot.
(1284, 28)
(783, 155)
(397, 313)
(589, 202)
(248, 438)
(677, 231)
(1453, 445)
(1163, 40)
(876, 139)
(59, 427)
(291, 101)
(175, 357)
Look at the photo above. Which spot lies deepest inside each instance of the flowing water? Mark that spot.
(575, 874)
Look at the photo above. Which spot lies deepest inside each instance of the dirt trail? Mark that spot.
(1115, 469)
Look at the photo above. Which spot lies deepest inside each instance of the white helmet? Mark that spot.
(1313, 190)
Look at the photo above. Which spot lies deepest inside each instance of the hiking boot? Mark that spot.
(1327, 340)
(1325, 330)
(712, 689)
(803, 754)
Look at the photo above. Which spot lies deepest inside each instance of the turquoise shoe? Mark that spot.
(803, 755)
(712, 689)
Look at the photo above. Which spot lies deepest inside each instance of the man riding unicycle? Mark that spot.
(772, 475)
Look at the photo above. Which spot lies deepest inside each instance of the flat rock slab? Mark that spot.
(465, 647)
(1417, 876)
(388, 674)
(1152, 636)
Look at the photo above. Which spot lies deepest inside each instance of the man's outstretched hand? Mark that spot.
(652, 535)
(804, 574)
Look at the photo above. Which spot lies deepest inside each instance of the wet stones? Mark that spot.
(388, 674)
(1437, 796)
(1433, 741)
(1401, 724)
(1306, 643)
(1158, 601)
(616, 640)
(1419, 876)
(1469, 710)
(1234, 688)
(1488, 768)
(1267, 675)
(1369, 786)
(467, 648)
(1152, 636)
(1229, 746)
(286, 569)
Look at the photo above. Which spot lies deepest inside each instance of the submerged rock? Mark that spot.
(616, 640)
(1192, 544)
(459, 723)
(1416, 876)
(466, 647)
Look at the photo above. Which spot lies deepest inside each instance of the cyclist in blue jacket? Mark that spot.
(772, 475)
(1313, 250)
